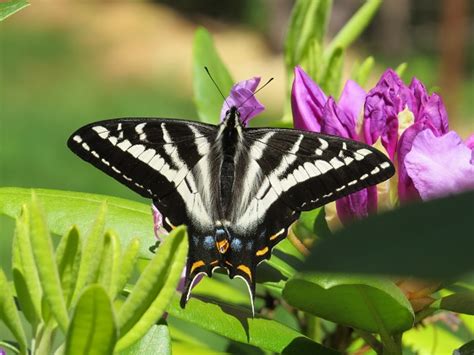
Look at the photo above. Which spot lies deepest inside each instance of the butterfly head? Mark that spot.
(232, 117)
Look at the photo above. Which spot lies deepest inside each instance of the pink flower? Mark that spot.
(242, 96)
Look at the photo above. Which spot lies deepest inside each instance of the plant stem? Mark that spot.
(9, 347)
(370, 340)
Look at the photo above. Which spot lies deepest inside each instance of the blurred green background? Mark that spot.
(67, 63)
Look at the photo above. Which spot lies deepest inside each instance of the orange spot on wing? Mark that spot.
(245, 269)
(196, 264)
(228, 263)
(262, 251)
(214, 262)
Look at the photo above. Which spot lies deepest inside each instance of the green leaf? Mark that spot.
(373, 305)
(91, 252)
(361, 72)
(462, 302)
(109, 272)
(156, 341)
(332, 74)
(8, 8)
(206, 96)
(431, 340)
(400, 70)
(307, 27)
(24, 263)
(93, 329)
(354, 27)
(9, 314)
(154, 289)
(68, 257)
(127, 263)
(428, 240)
(27, 305)
(237, 324)
(46, 264)
(132, 219)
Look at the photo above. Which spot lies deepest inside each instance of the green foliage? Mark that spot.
(206, 96)
(397, 242)
(374, 305)
(72, 288)
(8, 8)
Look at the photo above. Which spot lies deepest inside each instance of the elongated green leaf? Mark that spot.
(431, 240)
(373, 305)
(153, 290)
(462, 302)
(237, 324)
(126, 265)
(92, 250)
(67, 208)
(206, 97)
(24, 298)
(68, 257)
(361, 73)
(110, 263)
(308, 23)
(93, 329)
(354, 27)
(331, 77)
(23, 261)
(401, 68)
(46, 264)
(9, 314)
(8, 8)
(156, 341)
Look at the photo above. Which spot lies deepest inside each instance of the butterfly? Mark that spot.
(237, 189)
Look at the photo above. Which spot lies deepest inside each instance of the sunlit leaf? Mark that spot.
(93, 329)
(68, 257)
(354, 27)
(24, 263)
(8, 8)
(8, 313)
(307, 24)
(156, 341)
(361, 72)
(373, 305)
(153, 290)
(25, 299)
(127, 263)
(237, 324)
(330, 80)
(109, 272)
(65, 208)
(46, 264)
(206, 97)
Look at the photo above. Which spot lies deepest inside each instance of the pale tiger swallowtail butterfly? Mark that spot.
(236, 189)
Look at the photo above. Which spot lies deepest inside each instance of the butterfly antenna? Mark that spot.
(253, 94)
(220, 92)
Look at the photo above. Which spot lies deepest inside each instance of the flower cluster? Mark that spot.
(405, 122)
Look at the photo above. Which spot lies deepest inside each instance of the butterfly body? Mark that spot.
(237, 189)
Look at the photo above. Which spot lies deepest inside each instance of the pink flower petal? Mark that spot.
(242, 96)
(439, 166)
(307, 102)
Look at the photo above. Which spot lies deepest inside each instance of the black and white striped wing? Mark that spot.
(290, 171)
(157, 158)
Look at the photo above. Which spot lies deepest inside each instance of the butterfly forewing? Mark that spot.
(152, 157)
